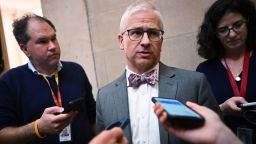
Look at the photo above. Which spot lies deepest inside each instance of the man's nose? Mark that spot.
(52, 44)
(145, 38)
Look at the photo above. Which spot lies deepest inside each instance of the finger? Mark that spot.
(164, 119)
(159, 111)
(67, 121)
(63, 124)
(116, 133)
(208, 114)
(200, 109)
(65, 117)
(241, 100)
(233, 104)
(156, 106)
(54, 109)
(124, 141)
(193, 106)
(235, 107)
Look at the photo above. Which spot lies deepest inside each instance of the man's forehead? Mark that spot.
(37, 26)
(143, 19)
(144, 26)
(40, 30)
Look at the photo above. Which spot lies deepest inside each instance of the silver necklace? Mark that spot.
(236, 76)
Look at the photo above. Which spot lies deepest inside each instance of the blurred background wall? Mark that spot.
(87, 32)
(10, 10)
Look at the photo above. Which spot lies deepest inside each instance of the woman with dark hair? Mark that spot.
(227, 39)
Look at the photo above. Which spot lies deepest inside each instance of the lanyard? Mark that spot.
(243, 86)
(57, 100)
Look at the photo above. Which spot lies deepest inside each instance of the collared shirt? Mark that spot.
(33, 69)
(144, 122)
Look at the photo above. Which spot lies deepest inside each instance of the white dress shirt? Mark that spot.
(144, 122)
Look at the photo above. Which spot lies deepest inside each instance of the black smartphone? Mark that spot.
(122, 123)
(179, 114)
(248, 106)
(74, 105)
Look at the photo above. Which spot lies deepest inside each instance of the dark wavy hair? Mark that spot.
(20, 27)
(209, 44)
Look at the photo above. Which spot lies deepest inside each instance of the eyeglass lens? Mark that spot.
(137, 34)
(236, 27)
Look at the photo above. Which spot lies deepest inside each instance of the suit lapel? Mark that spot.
(121, 102)
(167, 83)
(167, 89)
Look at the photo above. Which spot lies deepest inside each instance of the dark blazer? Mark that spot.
(183, 85)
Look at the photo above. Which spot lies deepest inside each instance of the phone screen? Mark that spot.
(179, 114)
(177, 108)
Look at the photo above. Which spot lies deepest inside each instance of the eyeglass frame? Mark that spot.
(231, 27)
(144, 31)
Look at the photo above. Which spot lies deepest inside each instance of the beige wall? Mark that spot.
(87, 31)
(10, 10)
(182, 18)
(70, 19)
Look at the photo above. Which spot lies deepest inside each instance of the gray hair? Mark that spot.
(139, 6)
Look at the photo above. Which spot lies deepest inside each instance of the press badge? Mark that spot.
(65, 134)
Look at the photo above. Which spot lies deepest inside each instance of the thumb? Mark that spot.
(192, 105)
(195, 107)
(54, 109)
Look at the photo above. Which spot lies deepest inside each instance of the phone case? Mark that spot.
(183, 121)
(122, 123)
(248, 106)
(74, 105)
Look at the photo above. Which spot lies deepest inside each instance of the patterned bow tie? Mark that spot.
(149, 78)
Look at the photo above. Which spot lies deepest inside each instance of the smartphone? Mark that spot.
(122, 123)
(179, 114)
(74, 105)
(248, 106)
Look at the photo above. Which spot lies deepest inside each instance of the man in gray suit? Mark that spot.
(141, 37)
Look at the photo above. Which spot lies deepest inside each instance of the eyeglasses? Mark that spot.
(137, 34)
(236, 27)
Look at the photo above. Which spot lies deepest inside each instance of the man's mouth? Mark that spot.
(144, 53)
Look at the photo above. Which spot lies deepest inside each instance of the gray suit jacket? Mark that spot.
(183, 85)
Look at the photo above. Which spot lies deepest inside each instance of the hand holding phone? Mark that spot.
(122, 123)
(179, 114)
(74, 105)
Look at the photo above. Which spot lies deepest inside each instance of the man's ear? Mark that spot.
(120, 41)
(24, 48)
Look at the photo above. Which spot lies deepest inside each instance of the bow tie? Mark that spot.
(149, 78)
